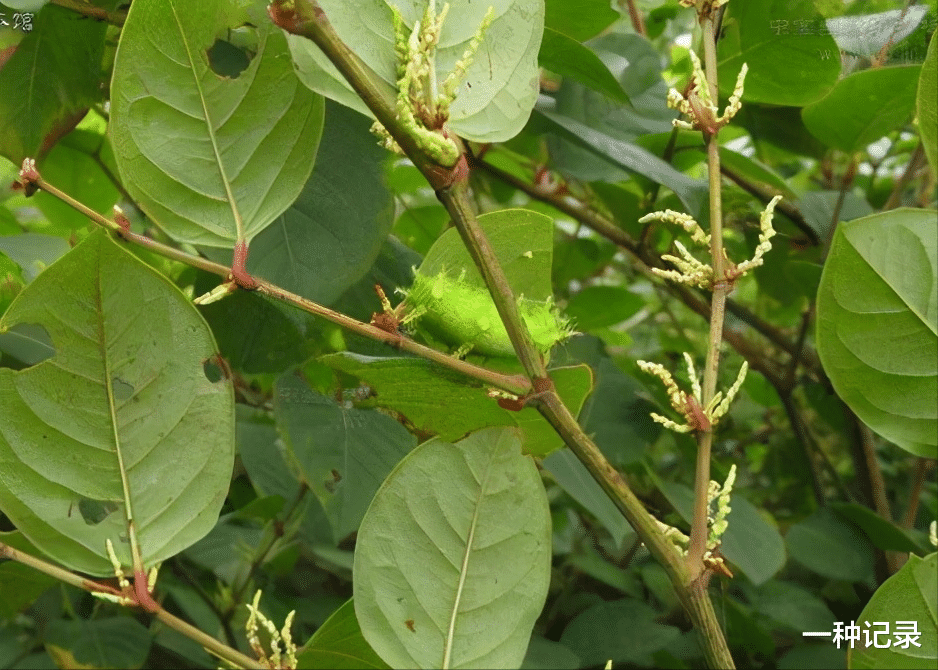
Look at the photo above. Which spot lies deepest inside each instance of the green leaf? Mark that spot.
(579, 20)
(330, 236)
(629, 156)
(499, 88)
(576, 480)
(601, 306)
(791, 58)
(888, 96)
(339, 644)
(756, 172)
(459, 405)
(52, 76)
(877, 325)
(116, 642)
(265, 459)
(33, 252)
(343, 453)
(910, 595)
(867, 34)
(926, 105)
(468, 592)
(567, 57)
(210, 159)
(254, 333)
(623, 631)
(544, 654)
(125, 399)
(831, 547)
(883, 534)
(795, 608)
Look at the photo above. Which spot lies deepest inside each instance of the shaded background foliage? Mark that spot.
(839, 117)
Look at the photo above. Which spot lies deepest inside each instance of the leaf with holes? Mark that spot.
(210, 159)
(467, 593)
(122, 419)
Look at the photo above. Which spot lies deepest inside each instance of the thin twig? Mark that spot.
(922, 467)
(261, 552)
(895, 197)
(220, 649)
(635, 16)
(516, 384)
(116, 17)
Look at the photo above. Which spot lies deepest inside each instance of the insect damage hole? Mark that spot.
(232, 52)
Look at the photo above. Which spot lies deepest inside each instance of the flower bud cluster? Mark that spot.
(696, 417)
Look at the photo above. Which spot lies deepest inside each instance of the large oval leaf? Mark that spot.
(467, 592)
(877, 325)
(500, 86)
(122, 413)
(210, 159)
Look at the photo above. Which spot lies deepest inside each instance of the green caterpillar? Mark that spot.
(464, 316)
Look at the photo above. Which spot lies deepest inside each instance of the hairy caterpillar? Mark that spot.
(463, 315)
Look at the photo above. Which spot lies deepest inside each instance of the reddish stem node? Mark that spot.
(239, 272)
(143, 597)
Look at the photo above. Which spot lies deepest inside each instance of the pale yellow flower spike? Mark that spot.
(699, 107)
(691, 272)
(685, 221)
(288, 660)
(681, 402)
(692, 374)
(723, 407)
(766, 234)
(719, 524)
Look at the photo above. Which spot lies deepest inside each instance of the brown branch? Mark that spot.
(635, 16)
(116, 17)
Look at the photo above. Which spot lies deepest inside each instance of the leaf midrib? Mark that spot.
(193, 62)
(464, 569)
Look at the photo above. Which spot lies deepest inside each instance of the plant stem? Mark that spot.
(215, 647)
(116, 17)
(517, 384)
(721, 288)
